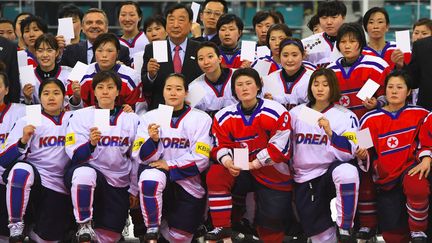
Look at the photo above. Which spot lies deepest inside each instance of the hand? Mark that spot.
(61, 42)
(370, 103)
(268, 96)
(28, 132)
(325, 124)
(246, 64)
(196, 30)
(153, 131)
(361, 153)
(160, 164)
(423, 168)
(133, 201)
(120, 62)
(28, 91)
(233, 170)
(76, 89)
(152, 67)
(127, 108)
(95, 136)
(397, 57)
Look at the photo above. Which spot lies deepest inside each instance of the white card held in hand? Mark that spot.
(27, 75)
(368, 90)
(403, 41)
(241, 158)
(270, 86)
(34, 115)
(248, 51)
(65, 28)
(262, 67)
(310, 116)
(263, 51)
(195, 9)
(78, 72)
(138, 61)
(160, 50)
(364, 139)
(102, 119)
(195, 95)
(22, 58)
(164, 115)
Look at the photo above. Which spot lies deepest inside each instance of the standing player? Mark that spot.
(262, 126)
(172, 160)
(102, 167)
(403, 198)
(322, 162)
(39, 175)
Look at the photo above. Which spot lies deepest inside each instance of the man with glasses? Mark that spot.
(212, 10)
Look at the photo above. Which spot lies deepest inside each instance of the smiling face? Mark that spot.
(421, 32)
(129, 19)
(46, 56)
(208, 60)
(291, 59)
(94, 24)
(106, 55)
(52, 99)
(174, 92)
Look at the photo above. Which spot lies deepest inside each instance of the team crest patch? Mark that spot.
(70, 139)
(392, 142)
(202, 148)
(350, 136)
(344, 100)
(137, 144)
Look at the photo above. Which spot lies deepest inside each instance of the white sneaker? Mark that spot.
(418, 237)
(85, 233)
(16, 232)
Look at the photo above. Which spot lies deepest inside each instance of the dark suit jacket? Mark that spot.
(190, 70)
(215, 39)
(78, 52)
(420, 70)
(8, 55)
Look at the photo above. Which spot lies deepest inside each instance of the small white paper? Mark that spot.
(368, 90)
(403, 41)
(27, 75)
(102, 119)
(65, 28)
(311, 46)
(262, 67)
(310, 116)
(34, 115)
(22, 58)
(78, 72)
(164, 115)
(248, 50)
(160, 50)
(241, 158)
(263, 51)
(195, 9)
(138, 61)
(195, 95)
(364, 139)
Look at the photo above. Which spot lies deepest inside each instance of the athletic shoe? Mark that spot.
(152, 234)
(16, 232)
(244, 238)
(345, 236)
(85, 233)
(218, 233)
(365, 233)
(418, 237)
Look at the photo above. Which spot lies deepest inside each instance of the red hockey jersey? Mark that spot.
(386, 53)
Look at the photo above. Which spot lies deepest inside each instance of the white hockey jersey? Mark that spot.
(320, 50)
(185, 146)
(137, 44)
(8, 117)
(313, 150)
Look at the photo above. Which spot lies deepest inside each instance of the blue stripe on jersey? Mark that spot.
(348, 196)
(347, 91)
(287, 146)
(397, 131)
(81, 154)
(228, 113)
(374, 64)
(84, 195)
(396, 150)
(128, 79)
(18, 182)
(368, 114)
(273, 112)
(148, 148)
(10, 155)
(243, 139)
(282, 183)
(179, 173)
(341, 143)
(148, 193)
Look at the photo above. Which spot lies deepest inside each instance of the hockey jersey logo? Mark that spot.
(51, 141)
(309, 138)
(3, 137)
(344, 100)
(180, 143)
(392, 142)
(111, 141)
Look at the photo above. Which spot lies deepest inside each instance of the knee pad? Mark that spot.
(21, 175)
(152, 181)
(345, 173)
(85, 176)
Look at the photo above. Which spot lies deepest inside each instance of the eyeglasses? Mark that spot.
(211, 12)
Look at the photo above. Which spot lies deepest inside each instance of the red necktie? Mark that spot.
(177, 60)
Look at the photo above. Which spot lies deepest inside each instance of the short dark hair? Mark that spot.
(373, 10)
(314, 21)
(263, 15)
(157, 19)
(423, 21)
(208, 44)
(19, 15)
(47, 38)
(70, 10)
(179, 6)
(223, 2)
(55, 81)
(282, 27)
(228, 18)
(105, 38)
(401, 74)
(353, 29)
(180, 76)
(104, 76)
(34, 19)
(291, 41)
(332, 81)
(331, 8)
(250, 72)
(7, 21)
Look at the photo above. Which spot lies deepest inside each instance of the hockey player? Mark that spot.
(102, 169)
(292, 80)
(262, 126)
(39, 173)
(216, 81)
(402, 201)
(172, 159)
(322, 162)
(31, 28)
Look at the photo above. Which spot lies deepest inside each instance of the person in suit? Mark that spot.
(9, 65)
(95, 22)
(181, 55)
(212, 10)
